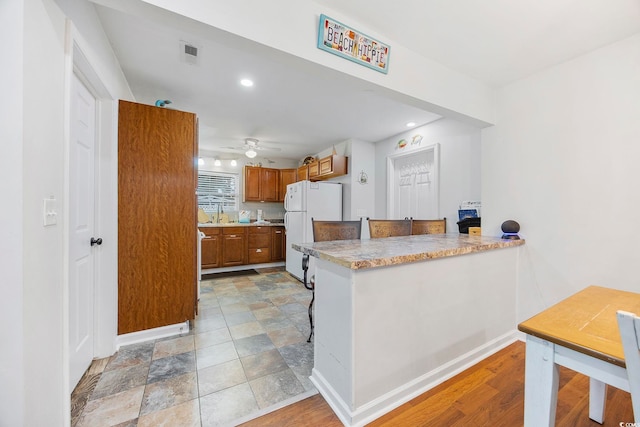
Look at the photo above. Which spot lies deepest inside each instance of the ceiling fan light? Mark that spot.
(250, 153)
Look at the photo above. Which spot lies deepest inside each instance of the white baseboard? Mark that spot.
(152, 334)
(376, 408)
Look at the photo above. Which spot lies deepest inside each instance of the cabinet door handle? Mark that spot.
(278, 232)
(258, 250)
(232, 235)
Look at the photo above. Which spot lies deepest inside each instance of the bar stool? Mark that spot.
(324, 231)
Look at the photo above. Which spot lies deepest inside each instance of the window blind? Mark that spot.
(217, 189)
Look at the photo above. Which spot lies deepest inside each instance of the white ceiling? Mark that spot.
(301, 113)
(497, 41)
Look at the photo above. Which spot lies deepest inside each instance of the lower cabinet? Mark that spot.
(210, 248)
(259, 245)
(234, 246)
(278, 248)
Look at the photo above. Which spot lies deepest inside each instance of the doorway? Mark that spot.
(82, 160)
(413, 184)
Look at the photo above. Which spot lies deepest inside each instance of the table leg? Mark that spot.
(597, 400)
(540, 384)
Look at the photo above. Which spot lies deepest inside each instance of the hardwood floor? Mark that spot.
(490, 393)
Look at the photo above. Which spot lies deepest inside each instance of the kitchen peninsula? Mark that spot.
(396, 316)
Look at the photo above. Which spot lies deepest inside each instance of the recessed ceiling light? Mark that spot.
(234, 162)
(411, 124)
(217, 162)
(246, 82)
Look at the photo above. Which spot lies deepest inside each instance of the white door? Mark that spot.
(413, 185)
(81, 228)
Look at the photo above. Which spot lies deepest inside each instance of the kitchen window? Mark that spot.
(218, 191)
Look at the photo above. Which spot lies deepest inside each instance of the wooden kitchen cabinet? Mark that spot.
(287, 176)
(260, 184)
(157, 240)
(325, 168)
(330, 167)
(278, 245)
(230, 246)
(314, 170)
(234, 246)
(252, 184)
(259, 245)
(270, 181)
(302, 173)
(210, 249)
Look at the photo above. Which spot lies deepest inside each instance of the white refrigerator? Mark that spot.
(304, 200)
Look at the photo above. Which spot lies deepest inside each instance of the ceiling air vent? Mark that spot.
(189, 52)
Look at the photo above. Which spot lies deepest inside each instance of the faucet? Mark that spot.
(219, 211)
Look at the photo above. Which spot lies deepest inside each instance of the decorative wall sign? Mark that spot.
(415, 140)
(348, 43)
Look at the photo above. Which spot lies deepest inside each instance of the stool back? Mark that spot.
(324, 231)
(429, 226)
(389, 227)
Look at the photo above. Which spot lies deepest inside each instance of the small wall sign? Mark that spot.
(348, 43)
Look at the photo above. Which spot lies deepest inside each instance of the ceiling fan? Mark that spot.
(251, 147)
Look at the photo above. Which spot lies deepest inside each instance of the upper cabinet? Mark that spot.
(325, 168)
(261, 184)
(287, 176)
(303, 173)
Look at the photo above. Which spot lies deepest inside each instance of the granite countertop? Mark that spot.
(242, 224)
(370, 253)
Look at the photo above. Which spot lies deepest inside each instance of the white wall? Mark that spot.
(95, 59)
(43, 247)
(362, 160)
(563, 161)
(459, 165)
(12, 402)
(33, 365)
(448, 91)
(96, 46)
(357, 198)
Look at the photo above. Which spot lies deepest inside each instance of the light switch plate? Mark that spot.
(50, 214)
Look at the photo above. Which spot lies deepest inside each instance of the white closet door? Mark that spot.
(81, 229)
(413, 186)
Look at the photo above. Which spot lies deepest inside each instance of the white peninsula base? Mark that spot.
(386, 335)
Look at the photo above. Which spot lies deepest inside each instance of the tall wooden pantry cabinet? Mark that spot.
(157, 252)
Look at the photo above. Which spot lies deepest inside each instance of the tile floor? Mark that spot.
(247, 354)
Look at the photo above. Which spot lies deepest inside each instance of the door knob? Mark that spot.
(95, 241)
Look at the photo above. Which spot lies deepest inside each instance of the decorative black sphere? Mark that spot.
(510, 226)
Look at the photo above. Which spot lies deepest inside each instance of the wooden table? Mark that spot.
(580, 333)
